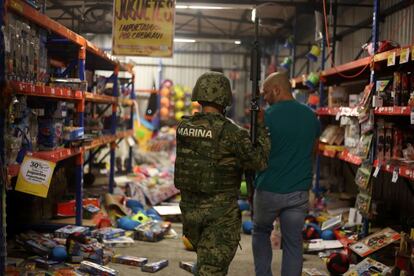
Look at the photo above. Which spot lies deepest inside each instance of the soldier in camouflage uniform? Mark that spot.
(212, 152)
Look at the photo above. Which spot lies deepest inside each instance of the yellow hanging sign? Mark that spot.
(404, 55)
(143, 28)
(391, 59)
(35, 176)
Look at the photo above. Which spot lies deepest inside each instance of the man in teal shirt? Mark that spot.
(282, 189)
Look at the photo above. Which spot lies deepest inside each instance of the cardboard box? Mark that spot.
(129, 260)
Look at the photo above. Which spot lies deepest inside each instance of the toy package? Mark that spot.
(363, 203)
(187, 266)
(375, 241)
(368, 267)
(152, 231)
(36, 243)
(363, 175)
(64, 232)
(154, 267)
(95, 269)
(108, 233)
(119, 242)
(129, 260)
(364, 146)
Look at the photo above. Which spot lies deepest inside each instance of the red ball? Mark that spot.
(338, 263)
(311, 231)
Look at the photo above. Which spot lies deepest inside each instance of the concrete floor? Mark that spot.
(173, 250)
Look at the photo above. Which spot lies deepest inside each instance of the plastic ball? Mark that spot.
(338, 263)
(179, 104)
(59, 253)
(179, 94)
(243, 188)
(127, 224)
(140, 133)
(243, 205)
(140, 217)
(311, 231)
(164, 112)
(165, 102)
(247, 227)
(178, 115)
(165, 92)
(328, 235)
(187, 244)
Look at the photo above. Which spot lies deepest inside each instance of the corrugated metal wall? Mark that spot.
(398, 27)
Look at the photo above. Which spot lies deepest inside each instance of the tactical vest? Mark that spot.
(197, 167)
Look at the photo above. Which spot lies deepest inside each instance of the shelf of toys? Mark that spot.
(51, 89)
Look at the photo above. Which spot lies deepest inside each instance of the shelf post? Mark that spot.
(113, 132)
(80, 109)
(3, 250)
(317, 188)
(131, 124)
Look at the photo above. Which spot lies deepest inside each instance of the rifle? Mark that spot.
(254, 104)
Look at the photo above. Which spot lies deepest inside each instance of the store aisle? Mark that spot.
(173, 250)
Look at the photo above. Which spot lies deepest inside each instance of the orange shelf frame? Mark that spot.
(327, 111)
(44, 21)
(346, 67)
(106, 139)
(350, 158)
(393, 111)
(100, 98)
(60, 154)
(403, 170)
(31, 14)
(45, 91)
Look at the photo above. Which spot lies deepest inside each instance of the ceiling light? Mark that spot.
(237, 42)
(184, 40)
(253, 15)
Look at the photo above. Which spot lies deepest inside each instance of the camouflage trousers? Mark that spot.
(214, 232)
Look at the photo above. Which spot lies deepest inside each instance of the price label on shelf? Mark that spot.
(395, 175)
(376, 172)
(338, 116)
(391, 59)
(35, 176)
(412, 53)
(404, 55)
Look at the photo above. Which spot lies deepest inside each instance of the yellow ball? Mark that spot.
(187, 244)
(178, 115)
(179, 94)
(179, 105)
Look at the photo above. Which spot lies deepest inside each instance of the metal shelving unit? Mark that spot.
(73, 50)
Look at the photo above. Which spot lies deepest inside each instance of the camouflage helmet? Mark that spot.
(213, 87)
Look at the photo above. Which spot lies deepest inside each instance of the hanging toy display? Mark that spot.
(287, 61)
(312, 80)
(289, 42)
(314, 53)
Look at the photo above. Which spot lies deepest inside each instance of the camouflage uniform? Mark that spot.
(212, 152)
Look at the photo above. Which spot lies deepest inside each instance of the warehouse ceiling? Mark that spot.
(233, 21)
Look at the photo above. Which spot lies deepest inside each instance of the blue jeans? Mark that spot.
(291, 209)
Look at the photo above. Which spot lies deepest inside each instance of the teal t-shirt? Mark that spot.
(294, 129)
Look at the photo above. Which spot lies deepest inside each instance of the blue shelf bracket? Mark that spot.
(114, 77)
(80, 109)
(3, 234)
(131, 123)
(317, 189)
